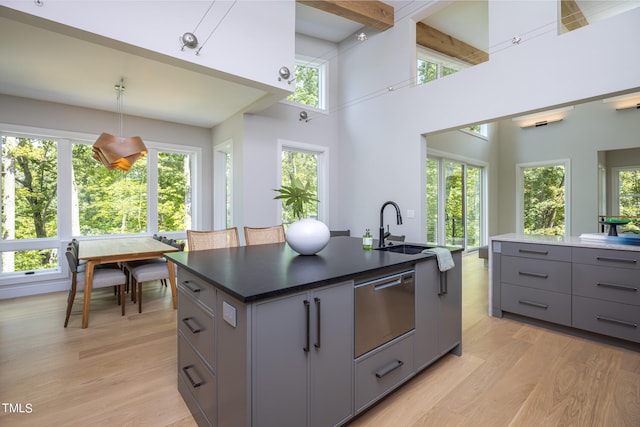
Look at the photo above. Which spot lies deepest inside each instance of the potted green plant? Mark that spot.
(306, 236)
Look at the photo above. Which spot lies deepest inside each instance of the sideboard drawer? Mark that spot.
(197, 288)
(197, 325)
(605, 257)
(541, 304)
(540, 274)
(607, 283)
(534, 250)
(608, 318)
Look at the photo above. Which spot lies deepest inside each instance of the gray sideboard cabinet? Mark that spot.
(303, 358)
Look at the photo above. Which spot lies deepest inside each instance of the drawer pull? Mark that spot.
(617, 322)
(619, 287)
(624, 260)
(194, 384)
(533, 304)
(187, 321)
(389, 368)
(533, 251)
(193, 288)
(527, 273)
(307, 311)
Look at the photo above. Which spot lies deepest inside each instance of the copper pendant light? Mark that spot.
(117, 152)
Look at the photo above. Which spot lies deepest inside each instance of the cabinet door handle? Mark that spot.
(389, 368)
(533, 304)
(187, 284)
(620, 287)
(617, 322)
(444, 288)
(307, 310)
(187, 321)
(528, 273)
(318, 322)
(194, 384)
(533, 251)
(624, 260)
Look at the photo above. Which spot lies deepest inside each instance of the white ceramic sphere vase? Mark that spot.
(308, 236)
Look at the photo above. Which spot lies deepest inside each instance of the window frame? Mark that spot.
(425, 54)
(223, 185)
(323, 83)
(65, 141)
(615, 196)
(520, 167)
(322, 154)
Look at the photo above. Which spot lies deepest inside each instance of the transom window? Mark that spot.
(310, 81)
(432, 65)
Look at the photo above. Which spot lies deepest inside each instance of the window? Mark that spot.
(310, 82)
(626, 203)
(433, 65)
(455, 203)
(543, 198)
(307, 164)
(53, 190)
(478, 130)
(222, 185)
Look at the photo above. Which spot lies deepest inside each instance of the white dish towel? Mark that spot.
(445, 260)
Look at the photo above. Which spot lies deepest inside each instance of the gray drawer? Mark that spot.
(540, 274)
(608, 318)
(196, 379)
(197, 288)
(379, 373)
(540, 304)
(604, 257)
(533, 250)
(607, 283)
(197, 325)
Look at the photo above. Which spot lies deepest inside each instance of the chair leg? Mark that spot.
(70, 298)
(122, 299)
(139, 297)
(133, 287)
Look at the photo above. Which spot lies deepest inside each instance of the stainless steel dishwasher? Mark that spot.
(384, 309)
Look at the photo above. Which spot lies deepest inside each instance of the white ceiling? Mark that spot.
(43, 64)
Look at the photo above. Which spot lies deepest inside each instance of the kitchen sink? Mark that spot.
(404, 249)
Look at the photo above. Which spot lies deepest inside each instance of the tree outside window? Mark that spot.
(301, 167)
(544, 200)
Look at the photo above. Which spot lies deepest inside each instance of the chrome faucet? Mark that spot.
(384, 235)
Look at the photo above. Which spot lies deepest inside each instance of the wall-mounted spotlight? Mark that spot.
(304, 117)
(189, 40)
(362, 37)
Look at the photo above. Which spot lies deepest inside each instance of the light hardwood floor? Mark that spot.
(121, 371)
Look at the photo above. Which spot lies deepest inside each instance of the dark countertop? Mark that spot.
(253, 273)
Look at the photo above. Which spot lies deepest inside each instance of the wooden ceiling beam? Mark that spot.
(572, 16)
(371, 13)
(436, 40)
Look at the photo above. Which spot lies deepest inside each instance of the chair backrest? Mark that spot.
(176, 244)
(157, 237)
(213, 239)
(334, 233)
(261, 236)
(72, 258)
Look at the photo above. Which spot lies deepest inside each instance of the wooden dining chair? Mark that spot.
(264, 235)
(213, 239)
(140, 273)
(102, 278)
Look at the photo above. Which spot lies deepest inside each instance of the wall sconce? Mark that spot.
(624, 102)
(541, 119)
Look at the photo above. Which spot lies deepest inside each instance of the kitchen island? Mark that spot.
(266, 336)
(588, 285)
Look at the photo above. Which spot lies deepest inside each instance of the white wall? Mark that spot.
(380, 138)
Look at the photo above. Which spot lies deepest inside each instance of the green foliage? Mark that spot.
(629, 205)
(307, 89)
(297, 196)
(544, 200)
(300, 167)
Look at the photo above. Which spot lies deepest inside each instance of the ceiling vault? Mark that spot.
(374, 14)
(436, 40)
(572, 16)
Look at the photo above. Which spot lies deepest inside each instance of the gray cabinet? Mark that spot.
(594, 289)
(438, 311)
(302, 353)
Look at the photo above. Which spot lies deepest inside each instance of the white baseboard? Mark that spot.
(26, 289)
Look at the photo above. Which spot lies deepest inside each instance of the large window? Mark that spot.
(302, 164)
(223, 185)
(310, 84)
(626, 195)
(53, 190)
(543, 198)
(454, 197)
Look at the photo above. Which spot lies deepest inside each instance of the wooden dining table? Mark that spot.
(121, 249)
